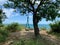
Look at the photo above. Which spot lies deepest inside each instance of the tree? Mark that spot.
(2, 16)
(39, 8)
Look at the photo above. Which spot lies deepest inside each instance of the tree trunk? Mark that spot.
(35, 24)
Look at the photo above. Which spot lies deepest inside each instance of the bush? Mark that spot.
(1, 25)
(3, 35)
(55, 27)
(43, 28)
(13, 27)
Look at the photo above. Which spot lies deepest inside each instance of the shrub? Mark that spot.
(55, 27)
(3, 35)
(13, 27)
(1, 25)
(43, 28)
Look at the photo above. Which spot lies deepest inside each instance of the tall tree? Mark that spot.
(2, 16)
(39, 8)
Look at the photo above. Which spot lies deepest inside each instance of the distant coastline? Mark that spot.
(39, 25)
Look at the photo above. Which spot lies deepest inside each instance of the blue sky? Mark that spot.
(17, 17)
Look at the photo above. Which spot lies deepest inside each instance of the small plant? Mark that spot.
(1, 25)
(3, 35)
(55, 27)
(14, 27)
(43, 28)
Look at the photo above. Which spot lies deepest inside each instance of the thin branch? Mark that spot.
(28, 7)
(31, 5)
(34, 2)
(41, 2)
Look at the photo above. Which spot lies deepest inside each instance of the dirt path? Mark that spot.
(30, 34)
(50, 38)
(18, 35)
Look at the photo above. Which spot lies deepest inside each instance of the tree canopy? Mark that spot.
(39, 8)
(45, 8)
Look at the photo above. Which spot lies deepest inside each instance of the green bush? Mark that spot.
(3, 35)
(13, 27)
(55, 27)
(1, 25)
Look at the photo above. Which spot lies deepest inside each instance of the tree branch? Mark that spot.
(34, 2)
(41, 2)
(31, 4)
(28, 7)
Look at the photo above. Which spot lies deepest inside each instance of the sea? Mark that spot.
(46, 26)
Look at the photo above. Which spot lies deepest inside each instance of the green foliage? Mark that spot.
(43, 9)
(3, 35)
(2, 16)
(14, 27)
(29, 42)
(55, 27)
(1, 25)
(46, 8)
(43, 28)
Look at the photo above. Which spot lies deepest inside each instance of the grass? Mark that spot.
(42, 28)
(39, 41)
(56, 34)
(30, 42)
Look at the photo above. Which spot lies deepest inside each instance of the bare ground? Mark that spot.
(30, 34)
